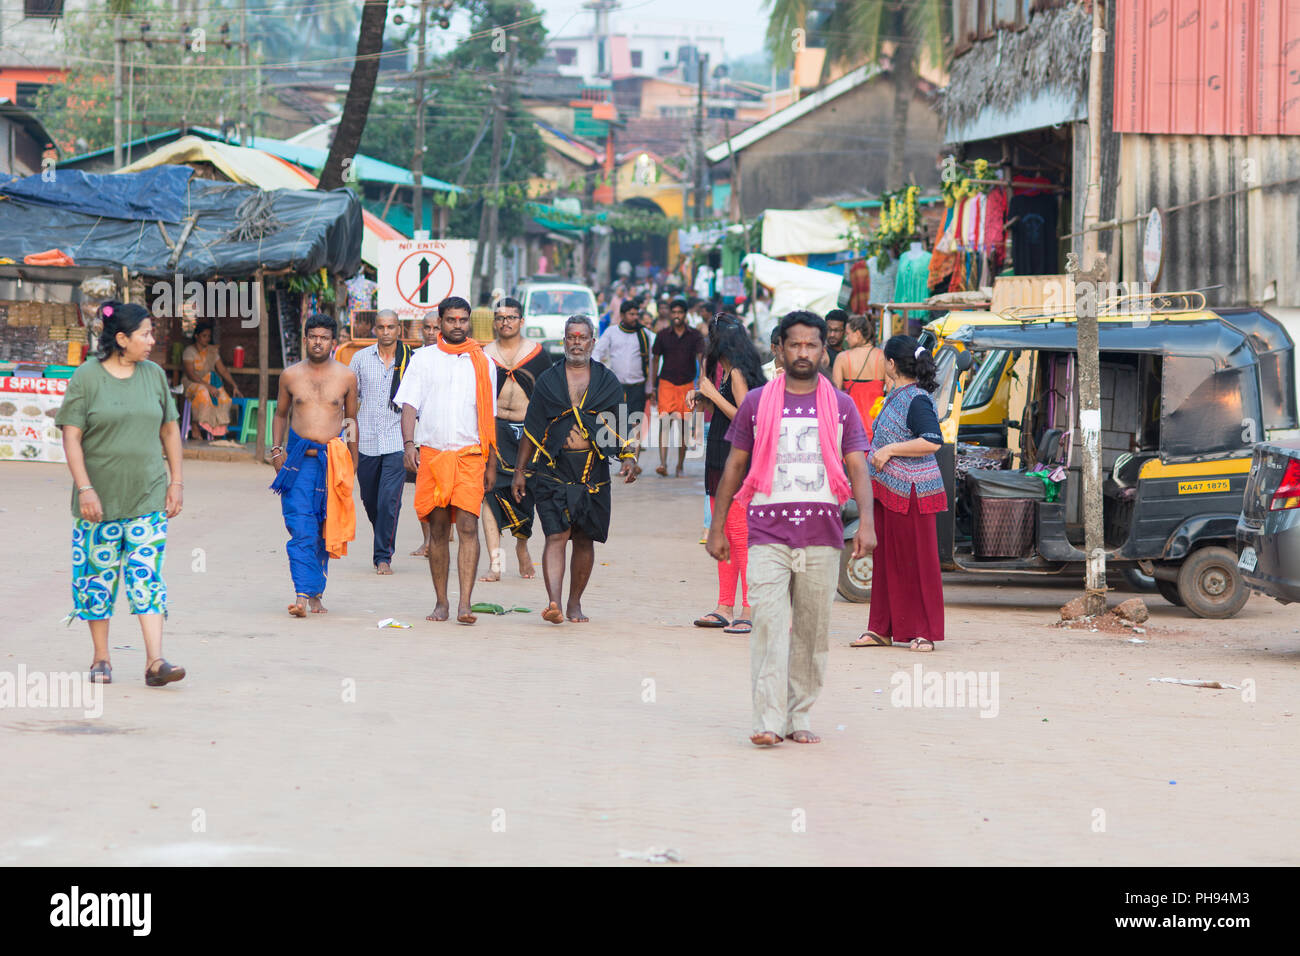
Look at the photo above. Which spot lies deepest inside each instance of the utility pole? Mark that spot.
(487, 219)
(243, 74)
(701, 163)
(117, 92)
(497, 132)
(1087, 283)
(417, 169)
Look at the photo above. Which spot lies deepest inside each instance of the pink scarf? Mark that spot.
(767, 434)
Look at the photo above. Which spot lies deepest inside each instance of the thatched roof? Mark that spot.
(1052, 52)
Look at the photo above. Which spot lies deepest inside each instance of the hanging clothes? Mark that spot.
(882, 283)
(994, 218)
(1033, 235)
(913, 282)
(943, 259)
(860, 286)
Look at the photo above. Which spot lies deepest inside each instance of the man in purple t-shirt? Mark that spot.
(795, 534)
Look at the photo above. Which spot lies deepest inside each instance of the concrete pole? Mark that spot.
(417, 165)
(701, 163)
(498, 130)
(1088, 282)
(117, 92)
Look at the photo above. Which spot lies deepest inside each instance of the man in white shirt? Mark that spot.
(448, 399)
(625, 349)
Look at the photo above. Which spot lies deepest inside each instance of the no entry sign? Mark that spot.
(415, 275)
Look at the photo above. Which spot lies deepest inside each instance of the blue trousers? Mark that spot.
(381, 478)
(303, 507)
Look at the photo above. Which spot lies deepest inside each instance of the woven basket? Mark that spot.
(1004, 527)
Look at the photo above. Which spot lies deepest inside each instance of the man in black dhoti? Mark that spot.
(570, 434)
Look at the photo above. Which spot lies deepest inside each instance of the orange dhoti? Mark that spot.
(672, 398)
(451, 478)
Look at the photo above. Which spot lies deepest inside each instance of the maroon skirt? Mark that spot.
(906, 587)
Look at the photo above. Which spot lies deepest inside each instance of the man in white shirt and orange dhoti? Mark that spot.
(450, 388)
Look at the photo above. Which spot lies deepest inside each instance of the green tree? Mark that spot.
(852, 32)
(164, 85)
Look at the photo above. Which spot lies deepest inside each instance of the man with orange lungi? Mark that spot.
(680, 348)
(450, 388)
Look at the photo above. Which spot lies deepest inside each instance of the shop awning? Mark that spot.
(798, 232)
(254, 167)
(795, 287)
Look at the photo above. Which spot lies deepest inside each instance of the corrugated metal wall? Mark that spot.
(1246, 241)
(1207, 66)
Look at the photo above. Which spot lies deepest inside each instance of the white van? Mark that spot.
(547, 304)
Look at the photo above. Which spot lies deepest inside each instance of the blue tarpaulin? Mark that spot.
(155, 194)
(137, 220)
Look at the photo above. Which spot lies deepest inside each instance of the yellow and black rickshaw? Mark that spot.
(1183, 401)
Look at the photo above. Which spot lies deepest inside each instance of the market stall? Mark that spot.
(250, 260)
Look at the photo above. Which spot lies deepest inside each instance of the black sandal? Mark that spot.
(101, 673)
(164, 674)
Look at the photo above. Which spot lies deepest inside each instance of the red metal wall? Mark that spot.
(1210, 67)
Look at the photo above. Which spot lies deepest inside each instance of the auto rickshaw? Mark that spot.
(1182, 404)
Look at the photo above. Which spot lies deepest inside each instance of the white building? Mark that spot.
(638, 46)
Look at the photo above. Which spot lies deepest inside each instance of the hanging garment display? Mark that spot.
(860, 286)
(1033, 235)
(913, 282)
(882, 282)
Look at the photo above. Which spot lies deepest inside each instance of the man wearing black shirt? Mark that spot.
(679, 348)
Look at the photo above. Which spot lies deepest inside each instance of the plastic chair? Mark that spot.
(248, 426)
(240, 413)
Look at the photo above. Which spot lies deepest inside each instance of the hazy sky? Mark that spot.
(744, 19)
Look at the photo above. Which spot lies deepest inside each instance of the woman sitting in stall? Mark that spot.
(860, 369)
(210, 405)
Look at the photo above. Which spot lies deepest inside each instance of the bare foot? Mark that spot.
(805, 737)
(299, 606)
(465, 616)
(764, 738)
(574, 613)
(491, 576)
(439, 612)
(552, 614)
(526, 569)
(421, 552)
(315, 605)
(680, 472)
(383, 567)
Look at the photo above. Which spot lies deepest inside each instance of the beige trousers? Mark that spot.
(788, 664)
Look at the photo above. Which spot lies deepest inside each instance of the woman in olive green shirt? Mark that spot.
(118, 420)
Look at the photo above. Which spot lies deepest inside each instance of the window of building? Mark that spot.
(43, 8)
(636, 59)
(566, 55)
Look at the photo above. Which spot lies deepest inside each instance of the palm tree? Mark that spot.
(853, 32)
(361, 89)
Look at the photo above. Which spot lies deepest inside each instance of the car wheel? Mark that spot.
(1169, 591)
(1210, 584)
(1137, 581)
(855, 576)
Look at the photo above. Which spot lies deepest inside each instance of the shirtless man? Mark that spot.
(570, 432)
(519, 365)
(428, 332)
(318, 397)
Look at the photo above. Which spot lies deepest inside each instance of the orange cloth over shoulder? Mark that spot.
(340, 511)
(487, 428)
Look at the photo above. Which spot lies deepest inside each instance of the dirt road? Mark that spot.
(328, 741)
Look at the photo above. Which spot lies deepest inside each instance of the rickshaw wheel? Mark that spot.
(1210, 584)
(1169, 591)
(855, 576)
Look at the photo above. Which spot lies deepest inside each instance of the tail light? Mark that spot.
(1287, 494)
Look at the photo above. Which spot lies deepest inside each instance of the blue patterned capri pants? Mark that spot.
(105, 553)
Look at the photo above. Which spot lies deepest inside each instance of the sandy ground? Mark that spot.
(516, 741)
